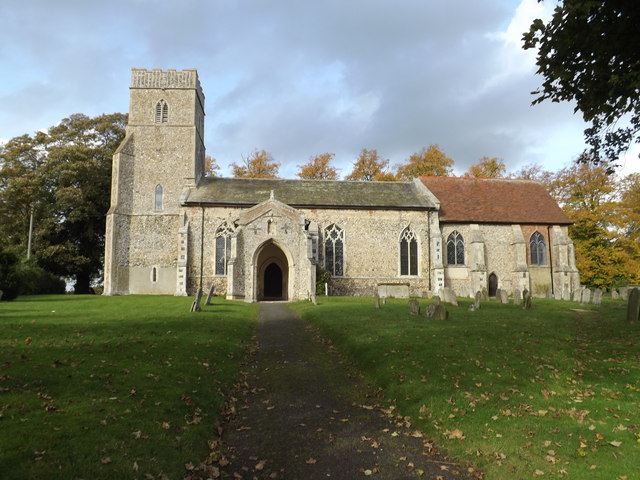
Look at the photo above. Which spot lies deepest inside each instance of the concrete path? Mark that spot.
(302, 416)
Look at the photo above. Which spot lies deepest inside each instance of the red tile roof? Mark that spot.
(494, 200)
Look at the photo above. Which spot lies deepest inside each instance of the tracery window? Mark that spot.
(158, 200)
(538, 249)
(455, 249)
(334, 250)
(408, 253)
(162, 112)
(223, 247)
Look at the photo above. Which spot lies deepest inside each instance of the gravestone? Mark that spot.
(577, 295)
(476, 302)
(557, 293)
(208, 302)
(615, 295)
(393, 290)
(597, 297)
(414, 307)
(624, 293)
(503, 296)
(449, 296)
(485, 294)
(586, 296)
(566, 294)
(377, 301)
(195, 306)
(526, 300)
(633, 308)
(314, 298)
(437, 310)
(517, 297)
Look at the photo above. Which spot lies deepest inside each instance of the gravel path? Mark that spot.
(300, 415)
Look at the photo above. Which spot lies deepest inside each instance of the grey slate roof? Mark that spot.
(245, 192)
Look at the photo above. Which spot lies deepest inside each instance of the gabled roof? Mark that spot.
(494, 200)
(246, 192)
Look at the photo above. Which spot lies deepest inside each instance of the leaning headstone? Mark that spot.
(517, 297)
(208, 302)
(414, 307)
(437, 310)
(586, 296)
(615, 295)
(597, 297)
(633, 307)
(526, 300)
(195, 306)
(430, 310)
(449, 296)
(503, 296)
(485, 294)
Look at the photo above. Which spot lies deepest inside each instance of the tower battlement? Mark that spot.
(156, 78)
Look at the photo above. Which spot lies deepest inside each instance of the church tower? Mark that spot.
(161, 156)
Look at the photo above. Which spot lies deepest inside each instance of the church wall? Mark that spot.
(372, 248)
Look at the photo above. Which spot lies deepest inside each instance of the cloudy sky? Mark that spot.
(299, 78)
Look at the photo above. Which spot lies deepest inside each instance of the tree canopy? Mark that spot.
(430, 161)
(62, 178)
(588, 54)
(260, 164)
(318, 168)
(487, 167)
(370, 166)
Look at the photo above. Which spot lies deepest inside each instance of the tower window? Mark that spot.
(162, 112)
(158, 200)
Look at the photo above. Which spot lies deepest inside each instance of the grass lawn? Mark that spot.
(114, 387)
(550, 392)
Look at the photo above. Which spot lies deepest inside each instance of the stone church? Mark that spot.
(171, 229)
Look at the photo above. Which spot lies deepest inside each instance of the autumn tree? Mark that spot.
(589, 197)
(63, 176)
(211, 167)
(430, 161)
(487, 167)
(588, 54)
(259, 164)
(534, 172)
(370, 167)
(318, 168)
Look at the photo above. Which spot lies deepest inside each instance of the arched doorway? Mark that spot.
(272, 282)
(493, 285)
(272, 273)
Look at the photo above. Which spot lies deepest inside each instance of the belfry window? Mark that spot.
(223, 247)
(538, 249)
(455, 249)
(158, 198)
(334, 250)
(408, 253)
(162, 112)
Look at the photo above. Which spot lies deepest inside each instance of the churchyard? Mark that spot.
(550, 392)
(132, 387)
(114, 387)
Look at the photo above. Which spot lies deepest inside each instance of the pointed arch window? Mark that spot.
(158, 198)
(334, 250)
(455, 249)
(223, 247)
(538, 249)
(162, 112)
(408, 252)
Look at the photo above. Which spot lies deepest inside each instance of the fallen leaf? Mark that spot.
(615, 443)
(260, 465)
(368, 472)
(105, 460)
(310, 461)
(538, 473)
(456, 434)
